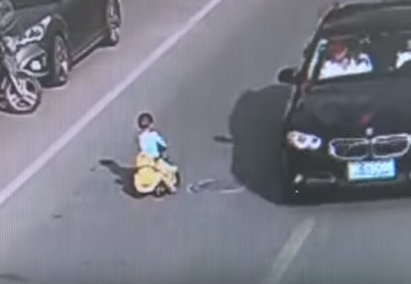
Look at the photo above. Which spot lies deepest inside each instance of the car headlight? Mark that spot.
(304, 141)
(36, 32)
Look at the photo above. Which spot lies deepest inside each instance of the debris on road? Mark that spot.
(221, 186)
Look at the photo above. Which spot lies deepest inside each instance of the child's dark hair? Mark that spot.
(144, 120)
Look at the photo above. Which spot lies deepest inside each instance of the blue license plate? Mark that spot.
(371, 170)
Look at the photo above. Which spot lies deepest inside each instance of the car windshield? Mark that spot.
(343, 57)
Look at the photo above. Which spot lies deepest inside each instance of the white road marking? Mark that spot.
(232, 191)
(289, 251)
(14, 186)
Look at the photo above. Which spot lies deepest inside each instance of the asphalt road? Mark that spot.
(74, 223)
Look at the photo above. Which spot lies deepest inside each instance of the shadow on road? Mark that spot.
(255, 126)
(124, 176)
(12, 277)
(359, 195)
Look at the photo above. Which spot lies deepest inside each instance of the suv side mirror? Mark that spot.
(287, 75)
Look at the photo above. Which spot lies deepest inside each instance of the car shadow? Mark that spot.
(255, 128)
(124, 176)
(355, 196)
(86, 54)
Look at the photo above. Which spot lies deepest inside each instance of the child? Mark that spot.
(152, 144)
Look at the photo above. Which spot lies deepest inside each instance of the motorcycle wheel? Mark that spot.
(25, 102)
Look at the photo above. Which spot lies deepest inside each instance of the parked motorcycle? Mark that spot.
(20, 71)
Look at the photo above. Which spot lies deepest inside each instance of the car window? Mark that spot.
(347, 56)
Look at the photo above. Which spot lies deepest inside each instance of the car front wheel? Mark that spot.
(24, 102)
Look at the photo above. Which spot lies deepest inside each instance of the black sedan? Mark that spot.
(348, 121)
(66, 29)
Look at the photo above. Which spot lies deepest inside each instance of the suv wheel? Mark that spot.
(113, 23)
(59, 63)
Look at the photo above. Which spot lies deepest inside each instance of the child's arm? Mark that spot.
(137, 141)
(161, 140)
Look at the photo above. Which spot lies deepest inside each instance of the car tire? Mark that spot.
(112, 23)
(9, 97)
(59, 62)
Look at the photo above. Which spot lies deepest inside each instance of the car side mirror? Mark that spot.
(287, 75)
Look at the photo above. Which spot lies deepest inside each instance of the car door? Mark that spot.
(97, 16)
(76, 15)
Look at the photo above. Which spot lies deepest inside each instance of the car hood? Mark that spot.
(28, 17)
(348, 109)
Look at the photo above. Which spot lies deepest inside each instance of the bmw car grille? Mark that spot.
(349, 148)
(390, 146)
(387, 146)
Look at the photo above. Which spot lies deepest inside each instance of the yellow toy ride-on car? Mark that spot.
(156, 177)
